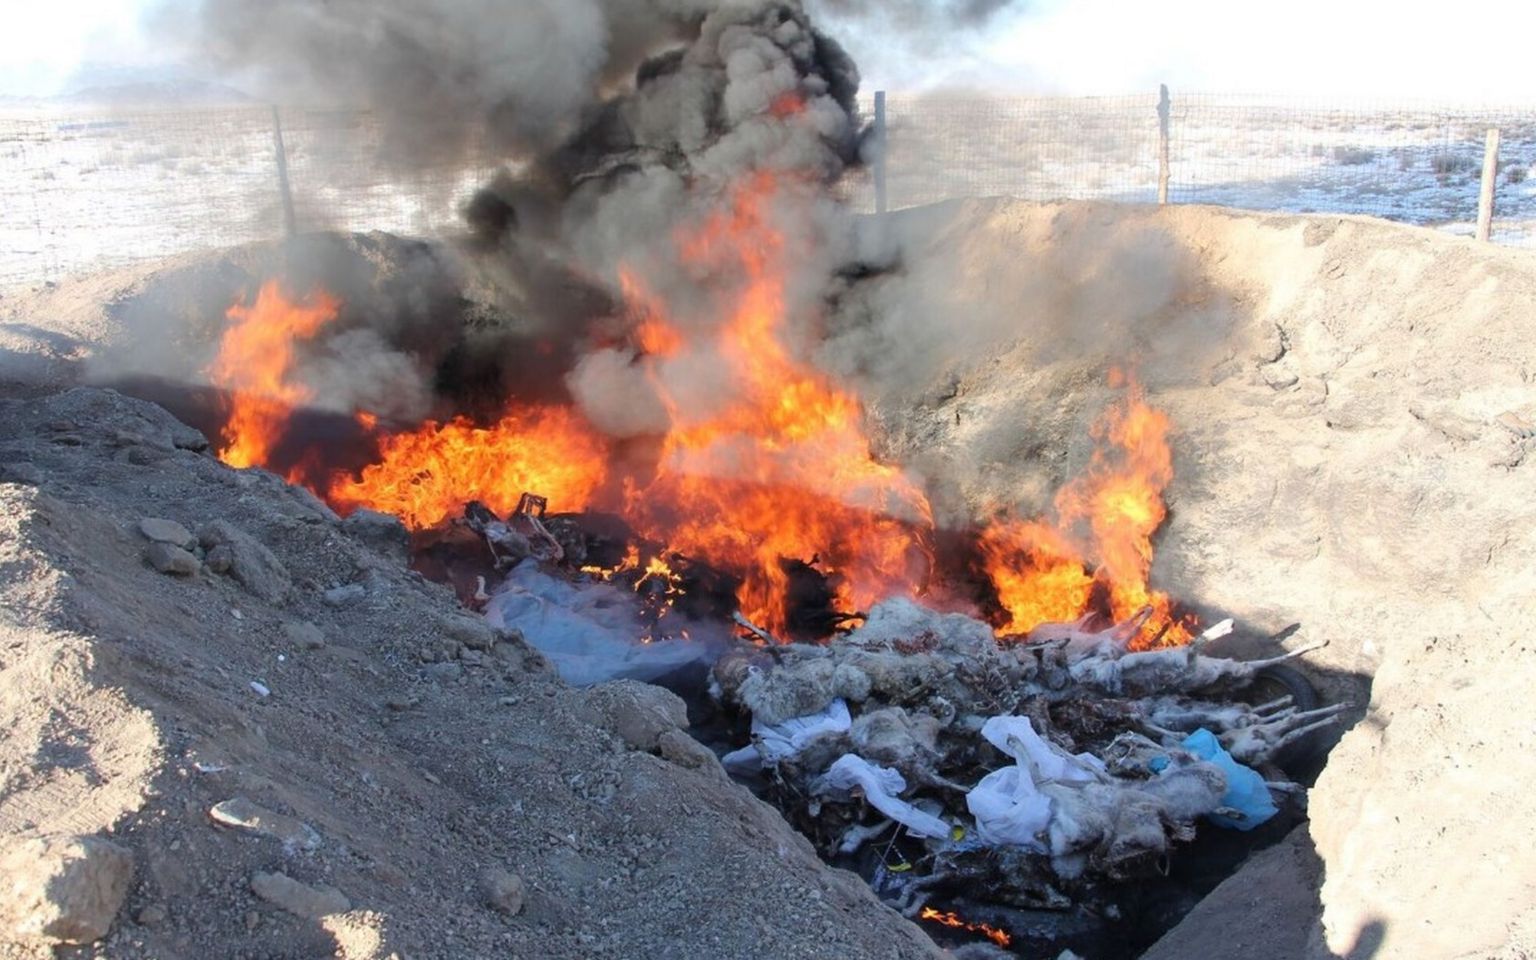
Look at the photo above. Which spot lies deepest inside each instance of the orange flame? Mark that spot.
(255, 363)
(782, 468)
(774, 466)
(787, 104)
(428, 475)
(1113, 508)
(951, 919)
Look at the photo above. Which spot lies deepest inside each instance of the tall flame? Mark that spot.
(427, 475)
(255, 364)
(1112, 509)
(776, 467)
(783, 469)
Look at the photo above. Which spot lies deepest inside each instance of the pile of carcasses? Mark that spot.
(1019, 772)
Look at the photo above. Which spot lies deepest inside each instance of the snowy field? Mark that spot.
(84, 189)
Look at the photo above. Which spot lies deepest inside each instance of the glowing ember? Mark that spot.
(427, 476)
(1112, 509)
(255, 364)
(950, 919)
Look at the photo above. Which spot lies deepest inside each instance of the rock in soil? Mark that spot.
(63, 889)
(172, 560)
(299, 899)
(380, 532)
(246, 559)
(304, 635)
(242, 814)
(503, 891)
(637, 713)
(158, 530)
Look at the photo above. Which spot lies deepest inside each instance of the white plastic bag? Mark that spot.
(1008, 805)
(880, 786)
(781, 741)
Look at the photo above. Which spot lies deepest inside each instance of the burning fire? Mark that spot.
(777, 467)
(1113, 509)
(255, 364)
(784, 469)
(427, 475)
(950, 919)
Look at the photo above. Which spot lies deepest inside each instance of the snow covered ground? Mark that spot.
(85, 188)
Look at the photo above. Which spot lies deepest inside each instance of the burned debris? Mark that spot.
(1028, 781)
(1004, 789)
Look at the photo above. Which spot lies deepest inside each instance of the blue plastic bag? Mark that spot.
(1246, 791)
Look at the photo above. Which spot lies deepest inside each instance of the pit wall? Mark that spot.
(1351, 402)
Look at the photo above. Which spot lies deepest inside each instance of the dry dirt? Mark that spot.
(1353, 451)
(1353, 404)
(423, 752)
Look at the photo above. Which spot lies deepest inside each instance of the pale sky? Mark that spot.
(1473, 49)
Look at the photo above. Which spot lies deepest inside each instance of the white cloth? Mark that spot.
(880, 786)
(781, 741)
(1008, 805)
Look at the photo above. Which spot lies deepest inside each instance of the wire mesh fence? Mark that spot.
(84, 189)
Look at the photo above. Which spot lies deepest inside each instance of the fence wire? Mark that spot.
(93, 190)
(84, 189)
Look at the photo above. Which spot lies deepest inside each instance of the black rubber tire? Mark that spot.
(1304, 756)
(1277, 680)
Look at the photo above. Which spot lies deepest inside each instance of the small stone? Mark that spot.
(390, 874)
(472, 632)
(158, 530)
(503, 891)
(242, 814)
(471, 658)
(637, 713)
(1278, 376)
(380, 532)
(444, 672)
(304, 634)
(401, 704)
(247, 560)
(252, 921)
(345, 594)
(151, 915)
(683, 750)
(299, 899)
(63, 889)
(172, 560)
(220, 559)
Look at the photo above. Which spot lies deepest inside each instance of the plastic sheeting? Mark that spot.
(588, 631)
(881, 786)
(1008, 805)
(1246, 792)
(781, 741)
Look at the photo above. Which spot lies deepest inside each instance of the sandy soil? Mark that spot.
(421, 749)
(1353, 403)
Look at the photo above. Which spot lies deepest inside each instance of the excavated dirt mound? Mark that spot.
(1353, 405)
(455, 798)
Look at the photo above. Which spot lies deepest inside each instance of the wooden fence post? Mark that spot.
(1163, 110)
(1490, 174)
(282, 173)
(880, 150)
